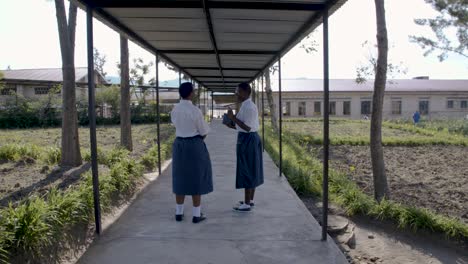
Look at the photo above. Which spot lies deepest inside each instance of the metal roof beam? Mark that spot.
(206, 9)
(263, 5)
(303, 29)
(225, 69)
(222, 52)
(219, 82)
(128, 32)
(217, 77)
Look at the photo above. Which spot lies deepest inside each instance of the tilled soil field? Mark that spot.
(433, 177)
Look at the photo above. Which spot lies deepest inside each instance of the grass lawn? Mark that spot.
(357, 132)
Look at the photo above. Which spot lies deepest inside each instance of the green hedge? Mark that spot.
(24, 116)
(305, 176)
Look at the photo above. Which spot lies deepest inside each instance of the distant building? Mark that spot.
(34, 83)
(432, 98)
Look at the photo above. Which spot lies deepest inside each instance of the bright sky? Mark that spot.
(30, 40)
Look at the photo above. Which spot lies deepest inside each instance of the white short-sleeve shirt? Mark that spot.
(188, 120)
(248, 114)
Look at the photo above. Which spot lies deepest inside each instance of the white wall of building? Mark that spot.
(409, 103)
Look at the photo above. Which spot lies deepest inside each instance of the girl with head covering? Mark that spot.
(191, 164)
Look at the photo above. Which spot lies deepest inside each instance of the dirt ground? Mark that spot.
(433, 177)
(364, 240)
(18, 179)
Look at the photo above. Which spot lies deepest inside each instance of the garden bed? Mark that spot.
(432, 177)
(18, 178)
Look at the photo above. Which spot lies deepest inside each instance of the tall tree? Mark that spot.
(453, 17)
(254, 92)
(271, 103)
(99, 62)
(368, 69)
(378, 165)
(125, 118)
(71, 155)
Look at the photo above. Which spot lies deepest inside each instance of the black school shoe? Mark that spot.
(197, 220)
(179, 218)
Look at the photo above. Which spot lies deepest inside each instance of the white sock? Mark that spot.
(196, 211)
(251, 201)
(179, 209)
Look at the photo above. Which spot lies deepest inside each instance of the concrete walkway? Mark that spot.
(279, 230)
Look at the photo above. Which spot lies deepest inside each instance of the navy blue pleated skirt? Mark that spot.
(249, 171)
(191, 167)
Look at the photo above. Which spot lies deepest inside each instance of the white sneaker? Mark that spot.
(242, 208)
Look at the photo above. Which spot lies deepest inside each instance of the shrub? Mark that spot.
(30, 228)
(53, 155)
(15, 152)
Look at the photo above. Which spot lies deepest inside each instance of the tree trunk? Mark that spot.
(71, 155)
(125, 118)
(254, 93)
(377, 157)
(271, 103)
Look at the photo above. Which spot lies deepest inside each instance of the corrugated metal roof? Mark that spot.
(350, 85)
(219, 43)
(48, 75)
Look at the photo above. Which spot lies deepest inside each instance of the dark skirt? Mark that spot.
(191, 167)
(249, 170)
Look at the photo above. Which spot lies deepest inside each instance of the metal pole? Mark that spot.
(326, 131)
(158, 114)
(212, 107)
(180, 78)
(180, 82)
(280, 120)
(92, 120)
(263, 115)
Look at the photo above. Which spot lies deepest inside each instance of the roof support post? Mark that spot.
(212, 107)
(158, 114)
(263, 115)
(180, 78)
(326, 113)
(280, 114)
(92, 119)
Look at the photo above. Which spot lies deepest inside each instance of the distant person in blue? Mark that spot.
(249, 168)
(416, 117)
(191, 164)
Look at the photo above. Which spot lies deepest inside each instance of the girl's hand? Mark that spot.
(230, 114)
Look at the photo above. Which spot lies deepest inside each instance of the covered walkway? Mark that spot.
(280, 229)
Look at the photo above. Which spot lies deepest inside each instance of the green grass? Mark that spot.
(31, 227)
(356, 133)
(305, 176)
(457, 127)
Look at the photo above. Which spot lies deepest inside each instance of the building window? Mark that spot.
(464, 104)
(317, 108)
(396, 107)
(450, 104)
(8, 89)
(365, 107)
(346, 108)
(302, 108)
(41, 90)
(287, 109)
(424, 107)
(332, 108)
